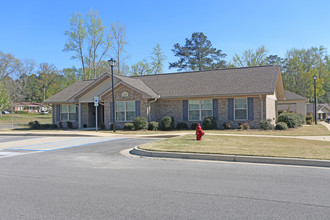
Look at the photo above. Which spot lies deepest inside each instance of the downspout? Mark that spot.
(149, 108)
(261, 108)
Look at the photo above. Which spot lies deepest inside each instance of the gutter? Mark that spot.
(149, 109)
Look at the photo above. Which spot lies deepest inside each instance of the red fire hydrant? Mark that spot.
(199, 132)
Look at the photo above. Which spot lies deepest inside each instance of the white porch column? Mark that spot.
(79, 116)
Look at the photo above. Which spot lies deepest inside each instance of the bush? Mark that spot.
(45, 126)
(209, 123)
(140, 123)
(53, 126)
(128, 126)
(34, 125)
(182, 126)
(309, 122)
(102, 126)
(226, 125)
(111, 126)
(293, 120)
(153, 126)
(309, 118)
(266, 124)
(193, 126)
(69, 124)
(245, 126)
(60, 124)
(281, 126)
(167, 123)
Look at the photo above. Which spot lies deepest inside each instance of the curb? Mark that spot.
(232, 158)
(47, 135)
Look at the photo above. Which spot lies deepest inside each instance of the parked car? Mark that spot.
(43, 112)
(5, 112)
(328, 120)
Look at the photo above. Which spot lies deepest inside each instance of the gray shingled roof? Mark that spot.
(138, 84)
(69, 92)
(310, 107)
(222, 82)
(249, 80)
(293, 96)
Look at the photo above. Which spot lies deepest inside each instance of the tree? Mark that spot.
(4, 99)
(118, 48)
(70, 76)
(8, 66)
(90, 40)
(251, 58)
(99, 41)
(49, 80)
(77, 36)
(141, 68)
(197, 54)
(301, 65)
(157, 60)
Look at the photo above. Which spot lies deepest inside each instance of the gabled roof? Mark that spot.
(310, 107)
(293, 96)
(68, 92)
(28, 104)
(222, 82)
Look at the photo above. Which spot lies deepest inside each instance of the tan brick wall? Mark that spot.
(132, 96)
(167, 107)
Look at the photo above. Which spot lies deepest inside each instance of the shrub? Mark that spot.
(111, 126)
(140, 123)
(102, 126)
(193, 126)
(45, 126)
(281, 126)
(226, 125)
(245, 126)
(153, 126)
(69, 124)
(293, 120)
(266, 124)
(53, 126)
(209, 123)
(60, 124)
(128, 126)
(167, 123)
(240, 125)
(309, 118)
(182, 126)
(34, 125)
(309, 122)
(85, 125)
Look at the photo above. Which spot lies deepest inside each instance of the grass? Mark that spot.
(248, 146)
(308, 130)
(24, 119)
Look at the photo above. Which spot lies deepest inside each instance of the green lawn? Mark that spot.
(24, 119)
(307, 130)
(241, 145)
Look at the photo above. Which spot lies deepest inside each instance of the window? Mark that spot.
(125, 111)
(241, 109)
(199, 109)
(68, 112)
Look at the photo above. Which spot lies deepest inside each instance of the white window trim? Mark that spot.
(247, 109)
(200, 108)
(68, 113)
(125, 110)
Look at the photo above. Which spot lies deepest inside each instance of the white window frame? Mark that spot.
(68, 113)
(200, 109)
(247, 109)
(125, 111)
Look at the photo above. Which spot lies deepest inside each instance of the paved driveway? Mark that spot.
(94, 181)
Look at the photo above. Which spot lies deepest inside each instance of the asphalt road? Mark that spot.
(96, 182)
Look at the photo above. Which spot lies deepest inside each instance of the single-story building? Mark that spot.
(235, 95)
(323, 110)
(293, 103)
(30, 107)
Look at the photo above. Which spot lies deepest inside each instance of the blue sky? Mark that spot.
(35, 29)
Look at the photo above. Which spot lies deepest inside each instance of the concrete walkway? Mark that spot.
(327, 125)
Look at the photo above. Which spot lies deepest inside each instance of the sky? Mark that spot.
(34, 29)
